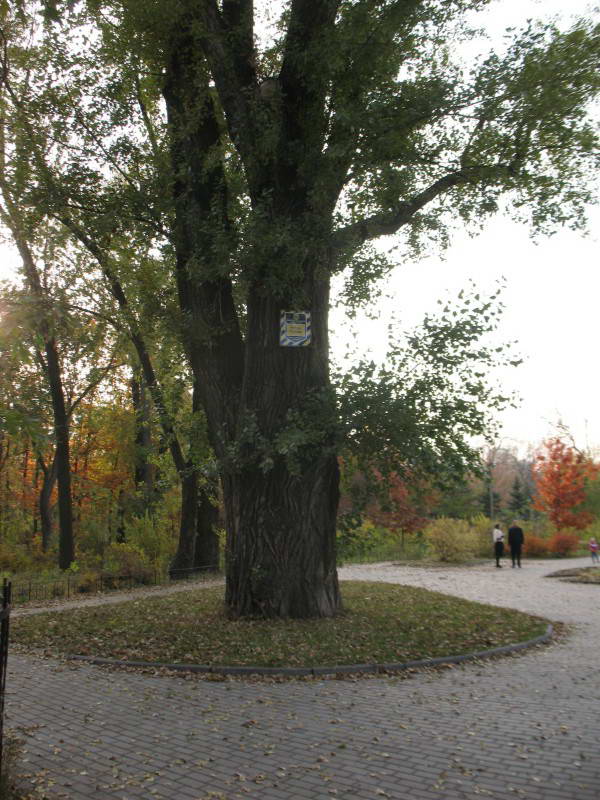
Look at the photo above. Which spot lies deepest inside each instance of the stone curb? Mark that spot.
(342, 669)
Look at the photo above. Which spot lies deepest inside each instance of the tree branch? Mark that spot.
(304, 83)
(91, 386)
(238, 19)
(353, 236)
(145, 116)
(233, 72)
(136, 337)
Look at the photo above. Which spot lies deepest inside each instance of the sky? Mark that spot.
(552, 297)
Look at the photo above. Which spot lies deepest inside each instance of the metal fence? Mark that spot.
(72, 586)
(4, 629)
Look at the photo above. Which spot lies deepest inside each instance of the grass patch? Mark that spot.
(578, 575)
(380, 623)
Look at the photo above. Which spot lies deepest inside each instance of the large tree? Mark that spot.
(262, 170)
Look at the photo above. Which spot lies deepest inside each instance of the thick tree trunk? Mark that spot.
(193, 531)
(270, 414)
(283, 505)
(184, 557)
(281, 559)
(206, 554)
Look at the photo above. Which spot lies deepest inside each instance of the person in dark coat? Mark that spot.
(515, 542)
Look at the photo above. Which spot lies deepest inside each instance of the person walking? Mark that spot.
(593, 545)
(515, 542)
(498, 538)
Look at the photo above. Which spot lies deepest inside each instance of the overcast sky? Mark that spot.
(552, 297)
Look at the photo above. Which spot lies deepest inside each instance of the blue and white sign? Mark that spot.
(295, 329)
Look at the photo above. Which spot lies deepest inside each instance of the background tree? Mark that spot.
(274, 169)
(458, 501)
(520, 499)
(49, 390)
(404, 509)
(561, 474)
(490, 501)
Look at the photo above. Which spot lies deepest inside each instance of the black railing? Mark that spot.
(75, 586)
(4, 630)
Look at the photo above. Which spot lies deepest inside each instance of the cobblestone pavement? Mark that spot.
(520, 727)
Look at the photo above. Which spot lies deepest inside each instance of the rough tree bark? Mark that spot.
(197, 537)
(144, 469)
(206, 551)
(45, 497)
(280, 512)
(280, 509)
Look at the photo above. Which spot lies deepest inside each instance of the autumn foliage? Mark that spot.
(561, 474)
(535, 546)
(563, 544)
(401, 510)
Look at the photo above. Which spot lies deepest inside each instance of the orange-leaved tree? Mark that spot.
(403, 506)
(561, 474)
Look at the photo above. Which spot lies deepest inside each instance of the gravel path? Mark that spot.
(524, 726)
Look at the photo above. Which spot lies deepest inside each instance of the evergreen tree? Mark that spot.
(520, 500)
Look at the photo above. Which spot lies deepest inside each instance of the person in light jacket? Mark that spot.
(498, 539)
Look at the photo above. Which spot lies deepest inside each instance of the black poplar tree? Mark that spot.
(262, 171)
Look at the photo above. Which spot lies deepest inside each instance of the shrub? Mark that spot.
(535, 546)
(358, 543)
(482, 532)
(122, 558)
(87, 581)
(151, 536)
(450, 539)
(14, 558)
(563, 544)
(540, 526)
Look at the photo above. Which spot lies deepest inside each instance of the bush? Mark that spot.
(358, 543)
(14, 558)
(122, 558)
(482, 531)
(535, 546)
(151, 536)
(369, 543)
(450, 540)
(87, 581)
(563, 544)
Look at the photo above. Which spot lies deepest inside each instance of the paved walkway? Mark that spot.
(521, 727)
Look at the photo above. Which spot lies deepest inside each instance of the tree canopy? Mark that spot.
(257, 164)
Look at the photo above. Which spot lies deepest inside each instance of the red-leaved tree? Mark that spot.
(561, 474)
(403, 509)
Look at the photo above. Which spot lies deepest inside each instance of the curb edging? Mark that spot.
(341, 669)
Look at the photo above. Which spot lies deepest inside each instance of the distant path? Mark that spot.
(114, 597)
(521, 727)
